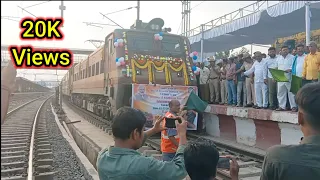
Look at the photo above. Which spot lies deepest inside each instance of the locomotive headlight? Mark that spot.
(155, 27)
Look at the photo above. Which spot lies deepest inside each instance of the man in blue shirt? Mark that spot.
(241, 85)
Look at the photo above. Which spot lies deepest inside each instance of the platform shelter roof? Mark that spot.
(262, 27)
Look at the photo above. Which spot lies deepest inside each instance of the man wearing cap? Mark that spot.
(247, 64)
(311, 66)
(214, 81)
(223, 82)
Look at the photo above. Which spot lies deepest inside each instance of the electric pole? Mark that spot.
(186, 9)
(138, 10)
(62, 8)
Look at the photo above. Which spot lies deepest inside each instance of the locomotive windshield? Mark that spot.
(144, 43)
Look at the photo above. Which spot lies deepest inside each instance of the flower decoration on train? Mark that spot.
(158, 36)
(158, 60)
(118, 42)
(194, 55)
(124, 35)
(120, 61)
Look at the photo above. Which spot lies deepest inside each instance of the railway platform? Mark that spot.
(258, 128)
(88, 137)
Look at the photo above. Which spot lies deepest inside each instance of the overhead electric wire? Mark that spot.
(121, 10)
(111, 20)
(23, 9)
(36, 4)
(197, 5)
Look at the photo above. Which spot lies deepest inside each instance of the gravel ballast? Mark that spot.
(65, 162)
(19, 99)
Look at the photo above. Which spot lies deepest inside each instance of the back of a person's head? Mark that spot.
(308, 100)
(125, 121)
(201, 159)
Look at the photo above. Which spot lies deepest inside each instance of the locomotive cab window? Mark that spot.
(110, 46)
(101, 66)
(97, 68)
(93, 68)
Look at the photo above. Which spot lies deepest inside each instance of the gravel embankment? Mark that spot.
(19, 99)
(65, 162)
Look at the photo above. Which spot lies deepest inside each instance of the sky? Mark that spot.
(76, 32)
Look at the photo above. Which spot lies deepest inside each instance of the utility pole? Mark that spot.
(186, 9)
(62, 8)
(138, 10)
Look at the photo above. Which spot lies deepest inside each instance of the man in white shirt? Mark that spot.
(298, 61)
(260, 71)
(285, 62)
(271, 62)
(204, 86)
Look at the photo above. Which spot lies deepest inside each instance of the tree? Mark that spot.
(222, 54)
(243, 50)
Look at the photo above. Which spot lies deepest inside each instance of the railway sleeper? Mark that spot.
(43, 146)
(13, 153)
(43, 150)
(47, 155)
(12, 145)
(15, 135)
(20, 131)
(12, 165)
(9, 159)
(43, 169)
(16, 138)
(14, 141)
(42, 162)
(12, 172)
(44, 176)
(13, 178)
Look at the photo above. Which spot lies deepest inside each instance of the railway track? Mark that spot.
(21, 98)
(250, 164)
(25, 150)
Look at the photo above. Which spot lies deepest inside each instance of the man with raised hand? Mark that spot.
(123, 162)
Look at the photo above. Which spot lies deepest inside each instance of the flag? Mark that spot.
(195, 103)
(296, 84)
(278, 75)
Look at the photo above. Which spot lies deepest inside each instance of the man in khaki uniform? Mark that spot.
(223, 83)
(214, 81)
(251, 100)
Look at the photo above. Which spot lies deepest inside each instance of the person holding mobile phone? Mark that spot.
(169, 137)
(202, 160)
(122, 161)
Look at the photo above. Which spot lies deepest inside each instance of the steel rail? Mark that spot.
(30, 160)
(21, 106)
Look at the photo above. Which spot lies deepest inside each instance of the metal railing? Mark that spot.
(242, 12)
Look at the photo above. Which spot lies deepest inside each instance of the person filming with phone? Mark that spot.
(169, 136)
(202, 160)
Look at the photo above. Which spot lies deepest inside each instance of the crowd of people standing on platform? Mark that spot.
(246, 81)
